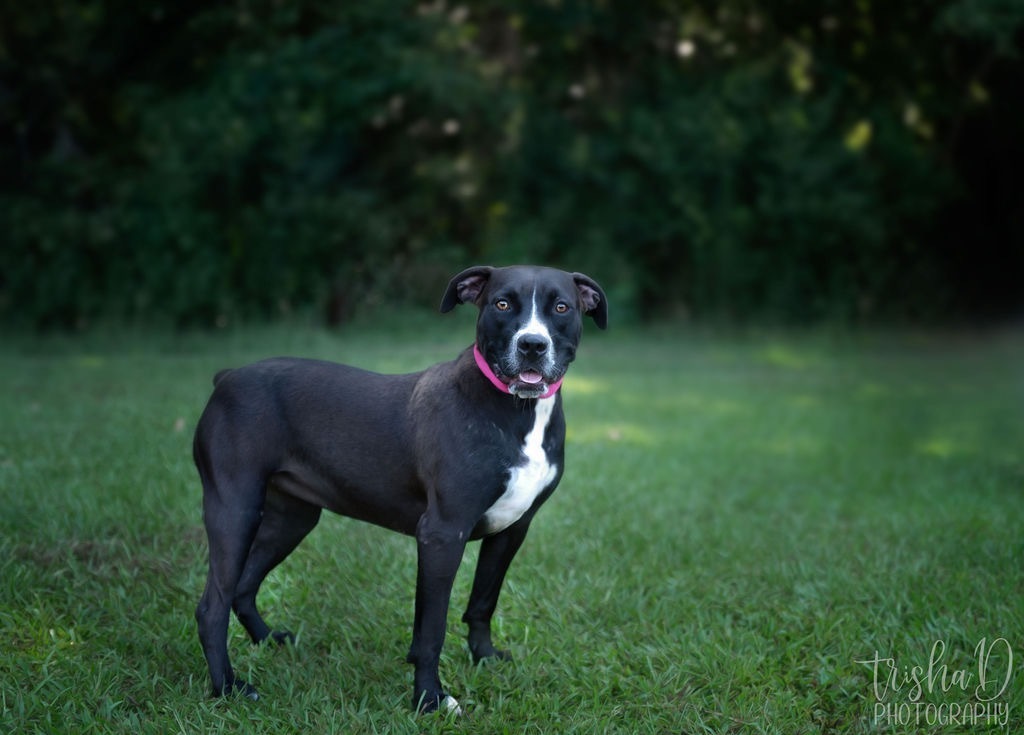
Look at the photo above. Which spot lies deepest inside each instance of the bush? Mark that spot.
(723, 160)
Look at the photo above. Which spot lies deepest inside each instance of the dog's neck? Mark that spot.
(501, 385)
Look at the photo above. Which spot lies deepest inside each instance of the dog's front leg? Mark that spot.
(440, 547)
(496, 554)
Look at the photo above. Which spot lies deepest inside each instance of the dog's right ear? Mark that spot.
(466, 287)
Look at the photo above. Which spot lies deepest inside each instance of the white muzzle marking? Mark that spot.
(537, 328)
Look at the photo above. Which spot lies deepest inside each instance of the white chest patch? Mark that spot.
(529, 478)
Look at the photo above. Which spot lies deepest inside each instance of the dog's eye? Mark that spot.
(502, 305)
(561, 307)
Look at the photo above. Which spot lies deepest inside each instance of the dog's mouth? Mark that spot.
(530, 377)
(523, 379)
(529, 383)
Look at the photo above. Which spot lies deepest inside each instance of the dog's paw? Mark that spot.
(443, 704)
(283, 637)
(450, 705)
(238, 688)
(489, 654)
(249, 692)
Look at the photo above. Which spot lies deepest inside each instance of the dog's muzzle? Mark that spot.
(521, 378)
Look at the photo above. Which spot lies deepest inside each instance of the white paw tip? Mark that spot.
(451, 704)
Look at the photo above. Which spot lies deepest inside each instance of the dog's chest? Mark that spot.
(529, 478)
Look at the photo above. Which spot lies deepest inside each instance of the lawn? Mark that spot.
(744, 521)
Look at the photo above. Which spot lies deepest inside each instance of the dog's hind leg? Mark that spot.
(231, 516)
(286, 521)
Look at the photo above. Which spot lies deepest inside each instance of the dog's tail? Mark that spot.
(220, 376)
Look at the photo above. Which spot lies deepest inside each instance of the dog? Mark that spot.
(464, 450)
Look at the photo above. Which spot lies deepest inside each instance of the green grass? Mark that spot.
(741, 521)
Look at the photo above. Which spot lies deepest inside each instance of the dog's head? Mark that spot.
(530, 320)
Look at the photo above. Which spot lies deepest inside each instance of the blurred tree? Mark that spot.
(796, 161)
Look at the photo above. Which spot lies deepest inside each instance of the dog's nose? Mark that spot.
(532, 345)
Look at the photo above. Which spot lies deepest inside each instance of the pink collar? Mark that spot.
(498, 383)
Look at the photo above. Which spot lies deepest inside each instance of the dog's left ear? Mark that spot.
(592, 297)
(466, 287)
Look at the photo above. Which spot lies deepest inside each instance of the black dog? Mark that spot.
(467, 449)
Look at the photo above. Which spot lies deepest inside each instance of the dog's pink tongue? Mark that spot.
(530, 376)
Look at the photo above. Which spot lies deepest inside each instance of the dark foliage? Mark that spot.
(802, 161)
